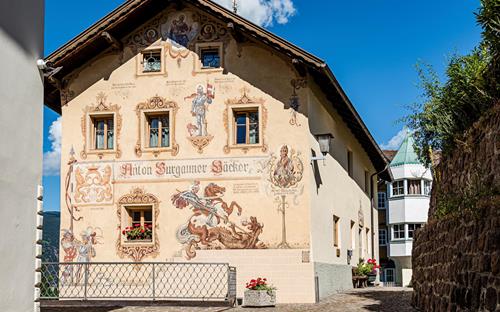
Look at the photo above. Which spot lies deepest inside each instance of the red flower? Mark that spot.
(123, 232)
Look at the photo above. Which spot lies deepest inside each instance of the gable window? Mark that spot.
(336, 222)
(103, 134)
(349, 163)
(382, 237)
(427, 187)
(140, 224)
(210, 58)
(412, 228)
(151, 61)
(158, 130)
(398, 231)
(382, 199)
(414, 187)
(246, 124)
(398, 188)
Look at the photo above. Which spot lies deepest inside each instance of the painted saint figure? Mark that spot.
(199, 108)
(179, 31)
(283, 175)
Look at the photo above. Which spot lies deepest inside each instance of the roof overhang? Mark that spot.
(133, 13)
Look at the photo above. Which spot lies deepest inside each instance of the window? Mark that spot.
(151, 61)
(382, 237)
(389, 275)
(414, 187)
(360, 242)
(412, 228)
(103, 136)
(398, 231)
(246, 125)
(336, 233)
(349, 163)
(382, 199)
(210, 58)
(427, 187)
(398, 188)
(353, 239)
(367, 183)
(367, 241)
(140, 224)
(158, 130)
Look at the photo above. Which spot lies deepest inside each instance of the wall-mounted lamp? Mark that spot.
(324, 141)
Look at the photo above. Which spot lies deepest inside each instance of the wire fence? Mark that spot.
(138, 281)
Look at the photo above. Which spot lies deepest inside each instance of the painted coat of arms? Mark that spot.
(212, 225)
(93, 184)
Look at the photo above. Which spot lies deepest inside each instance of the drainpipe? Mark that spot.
(373, 206)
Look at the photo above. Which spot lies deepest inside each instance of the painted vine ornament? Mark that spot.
(137, 251)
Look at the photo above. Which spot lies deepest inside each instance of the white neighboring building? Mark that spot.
(21, 117)
(406, 207)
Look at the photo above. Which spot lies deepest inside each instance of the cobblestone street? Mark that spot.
(368, 299)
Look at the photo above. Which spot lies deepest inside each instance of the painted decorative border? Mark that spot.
(101, 108)
(137, 252)
(156, 104)
(244, 101)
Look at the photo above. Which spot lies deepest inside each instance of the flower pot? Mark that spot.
(259, 298)
(372, 277)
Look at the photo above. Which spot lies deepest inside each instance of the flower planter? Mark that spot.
(372, 277)
(259, 298)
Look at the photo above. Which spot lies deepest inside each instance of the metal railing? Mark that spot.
(138, 281)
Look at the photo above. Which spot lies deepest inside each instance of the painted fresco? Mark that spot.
(78, 251)
(180, 28)
(200, 101)
(212, 224)
(93, 184)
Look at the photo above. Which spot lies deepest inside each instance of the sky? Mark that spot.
(371, 46)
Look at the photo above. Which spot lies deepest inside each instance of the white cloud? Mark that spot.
(395, 141)
(263, 12)
(52, 158)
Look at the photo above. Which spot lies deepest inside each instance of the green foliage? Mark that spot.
(449, 109)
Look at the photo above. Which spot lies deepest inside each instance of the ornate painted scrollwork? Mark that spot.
(135, 251)
(100, 108)
(152, 105)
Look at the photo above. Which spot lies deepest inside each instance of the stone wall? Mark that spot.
(456, 256)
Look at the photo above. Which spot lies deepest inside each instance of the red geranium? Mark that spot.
(259, 284)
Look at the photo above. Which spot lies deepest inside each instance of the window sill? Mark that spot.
(140, 242)
(245, 147)
(204, 70)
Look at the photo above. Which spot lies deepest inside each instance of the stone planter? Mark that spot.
(259, 298)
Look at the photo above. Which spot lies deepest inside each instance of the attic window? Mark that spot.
(151, 61)
(210, 57)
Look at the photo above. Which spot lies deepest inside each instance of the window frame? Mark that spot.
(350, 165)
(382, 195)
(415, 227)
(94, 120)
(417, 183)
(129, 210)
(156, 48)
(382, 242)
(402, 187)
(336, 231)
(247, 112)
(147, 132)
(198, 62)
(242, 104)
(393, 231)
(155, 106)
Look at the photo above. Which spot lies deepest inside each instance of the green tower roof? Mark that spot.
(406, 153)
